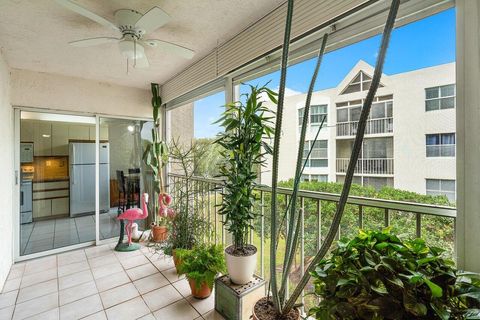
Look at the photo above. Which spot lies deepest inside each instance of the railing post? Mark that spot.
(360, 217)
(418, 225)
(302, 246)
(262, 235)
(387, 217)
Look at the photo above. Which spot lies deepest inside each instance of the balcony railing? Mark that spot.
(380, 166)
(435, 223)
(374, 126)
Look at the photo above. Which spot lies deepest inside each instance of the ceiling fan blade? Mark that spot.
(171, 48)
(141, 62)
(93, 42)
(152, 20)
(86, 13)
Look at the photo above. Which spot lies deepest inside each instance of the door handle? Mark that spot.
(21, 198)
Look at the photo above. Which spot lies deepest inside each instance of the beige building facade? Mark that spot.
(410, 135)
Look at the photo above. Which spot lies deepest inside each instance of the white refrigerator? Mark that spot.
(82, 178)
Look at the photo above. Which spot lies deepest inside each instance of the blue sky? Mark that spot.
(421, 44)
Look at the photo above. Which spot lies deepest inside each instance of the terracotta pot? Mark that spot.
(202, 292)
(159, 233)
(294, 314)
(176, 260)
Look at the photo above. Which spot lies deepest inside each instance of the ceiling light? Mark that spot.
(131, 128)
(46, 135)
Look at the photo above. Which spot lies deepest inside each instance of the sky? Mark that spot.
(425, 43)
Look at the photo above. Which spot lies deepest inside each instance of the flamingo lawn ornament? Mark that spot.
(131, 215)
(164, 200)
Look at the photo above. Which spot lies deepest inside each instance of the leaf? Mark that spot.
(434, 288)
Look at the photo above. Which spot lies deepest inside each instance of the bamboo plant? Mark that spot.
(282, 304)
(155, 155)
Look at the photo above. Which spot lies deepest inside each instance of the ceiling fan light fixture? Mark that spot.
(131, 50)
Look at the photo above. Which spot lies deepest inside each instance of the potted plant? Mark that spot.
(246, 125)
(378, 276)
(187, 228)
(155, 158)
(201, 265)
(278, 305)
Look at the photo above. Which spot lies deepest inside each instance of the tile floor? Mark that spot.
(99, 283)
(49, 234)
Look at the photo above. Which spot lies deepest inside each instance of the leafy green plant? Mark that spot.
(155, 155)
(246, 125)
(202, 263)
(378, 276)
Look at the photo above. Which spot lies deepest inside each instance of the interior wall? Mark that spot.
(52, 91)
(6, 163)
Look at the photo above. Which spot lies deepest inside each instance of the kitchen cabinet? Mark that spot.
(51, 199)
(42, 139)
(103, 133)
(26, 131)
(59, 139)
(42, 208)
(79, 132)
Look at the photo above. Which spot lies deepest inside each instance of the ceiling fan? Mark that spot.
(133, 26)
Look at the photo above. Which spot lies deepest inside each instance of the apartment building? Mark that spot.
(410, 135)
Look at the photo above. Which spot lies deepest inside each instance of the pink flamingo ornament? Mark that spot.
(164, 200)
(134, 214)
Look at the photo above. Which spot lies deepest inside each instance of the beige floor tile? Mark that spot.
(76, 293)
(149, 316)
(35, 306)
(171, 275)
(128, 254)
(75, 267)
(162, 263)
(98, 251)
(96, 316)
(161, 297)
(141, 271)
(180, 310)
(183, 287)
(132, 309)
(38, 277)
(53, 314)
(213, 315)
(118, 295)
(203, 305)
(102, 271)
(102, 260)
(75, 279)
(16, 271)
(6, 313)
(37, 290)
(150, 283)
(71, 257)
(81, 308)
(41, 264)
(135, 261)
(8, 299)
(11, 285)
(112, 281)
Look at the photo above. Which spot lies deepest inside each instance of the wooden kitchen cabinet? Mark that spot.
(79, 132)
(59, 139)
(42, 139)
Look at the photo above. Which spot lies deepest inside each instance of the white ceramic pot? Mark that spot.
(241, 268)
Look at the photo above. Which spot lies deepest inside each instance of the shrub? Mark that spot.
(377, 276)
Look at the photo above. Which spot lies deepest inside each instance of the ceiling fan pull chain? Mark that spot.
(134, 53)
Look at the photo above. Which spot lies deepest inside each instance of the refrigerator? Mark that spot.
(82, 178)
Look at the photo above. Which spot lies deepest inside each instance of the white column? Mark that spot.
(468, 134)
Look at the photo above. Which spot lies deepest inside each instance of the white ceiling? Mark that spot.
(34, 36)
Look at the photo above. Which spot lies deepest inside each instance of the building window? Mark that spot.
(438, 187)
(319, 156)
(317, 113)
(314, 177)
(438, 98)
(361, 82)
(441, 145)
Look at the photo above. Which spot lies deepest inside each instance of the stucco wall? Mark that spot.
(51, 91)
(6, 163)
